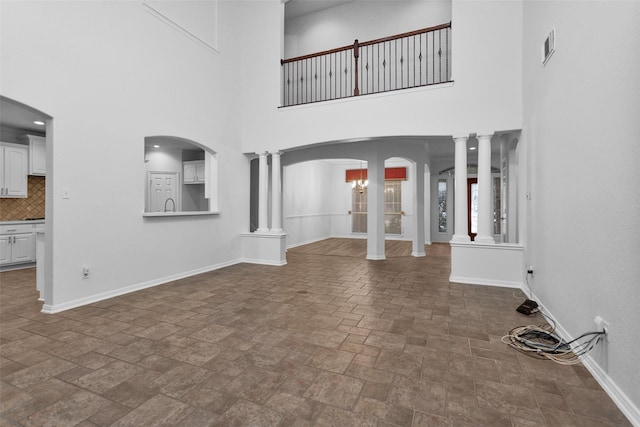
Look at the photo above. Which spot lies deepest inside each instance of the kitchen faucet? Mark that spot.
(173, 209)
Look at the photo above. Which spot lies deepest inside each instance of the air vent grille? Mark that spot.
(549, 46)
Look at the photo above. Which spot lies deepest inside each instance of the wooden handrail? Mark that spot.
(367, 43)
(407, 34)
(313, 55)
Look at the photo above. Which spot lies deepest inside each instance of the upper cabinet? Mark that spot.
(194, 172)
(37, 155)
(14, 161)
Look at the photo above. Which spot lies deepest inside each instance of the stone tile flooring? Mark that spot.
(322, 341)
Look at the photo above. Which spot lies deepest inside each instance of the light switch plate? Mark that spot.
(65, 193)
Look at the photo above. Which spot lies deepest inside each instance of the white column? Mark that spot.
(276, 193)
(485, 211)
(461, 226)
(263, 192)
(418, 220)
(375, 208)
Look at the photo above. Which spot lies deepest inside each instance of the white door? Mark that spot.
(163, 192)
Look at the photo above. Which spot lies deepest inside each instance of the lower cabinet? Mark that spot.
(17, 246)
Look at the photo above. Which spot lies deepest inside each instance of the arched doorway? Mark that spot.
(31, 212)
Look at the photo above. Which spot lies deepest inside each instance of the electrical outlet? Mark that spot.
(529, 269)
(602, 326)
(85, 272)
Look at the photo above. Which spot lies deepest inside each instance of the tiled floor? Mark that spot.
(323, 341)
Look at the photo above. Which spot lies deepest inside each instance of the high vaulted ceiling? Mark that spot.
(296, 8)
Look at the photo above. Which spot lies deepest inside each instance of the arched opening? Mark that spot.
(26, 212)
(327, 191)
(180, 177)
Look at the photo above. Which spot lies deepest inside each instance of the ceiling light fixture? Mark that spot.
(156, 146)
(360, 184)
(472, 148)
(39, 122)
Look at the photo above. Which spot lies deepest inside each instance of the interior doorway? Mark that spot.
(21, 124)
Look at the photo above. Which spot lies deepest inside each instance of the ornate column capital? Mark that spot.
(484, 135)
(460, 136)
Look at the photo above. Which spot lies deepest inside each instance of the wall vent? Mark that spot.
(549, 46)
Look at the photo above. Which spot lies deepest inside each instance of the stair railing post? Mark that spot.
(356, 55)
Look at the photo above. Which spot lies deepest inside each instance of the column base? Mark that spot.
(418, 254)
(460, 238)
(264, 248)
(487, 240)
(277, 231)
(262, 230)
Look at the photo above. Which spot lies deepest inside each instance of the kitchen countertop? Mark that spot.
(24, 221)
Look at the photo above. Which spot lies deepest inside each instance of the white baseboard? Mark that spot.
(622, 401)
(57, 308)
(17, 266)
(264, 262)
(485, 282)
(295, 245)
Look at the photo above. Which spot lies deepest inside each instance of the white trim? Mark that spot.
(174, 214)
(622, 401)
(263, 262)
(485, 282)
(20, 266)
(265, 235)
(500, 246)
(329, 102)
(57, 308)
(314, 214)
(162, 17)
(308, 242)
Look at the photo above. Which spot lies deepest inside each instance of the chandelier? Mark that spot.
(360, 184)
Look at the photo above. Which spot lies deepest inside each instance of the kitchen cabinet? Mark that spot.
(194, 172)
(13, 170)
(37, 154)
(17, 244)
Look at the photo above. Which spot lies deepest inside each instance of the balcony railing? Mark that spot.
(408, 60)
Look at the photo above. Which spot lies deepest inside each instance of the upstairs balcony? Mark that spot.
(408, 60)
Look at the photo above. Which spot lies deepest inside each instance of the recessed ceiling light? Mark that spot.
(39, 122)
(472, 148)
(156, 146)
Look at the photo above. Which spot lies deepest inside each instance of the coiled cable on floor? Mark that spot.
(541, 343)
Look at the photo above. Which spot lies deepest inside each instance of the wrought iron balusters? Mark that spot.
(386, 64)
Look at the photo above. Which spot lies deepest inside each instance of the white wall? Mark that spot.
(486, 95)
(307, 195)
(580, 132)
(341, 25)
(317, 199)
(110, 74)
(168, 160)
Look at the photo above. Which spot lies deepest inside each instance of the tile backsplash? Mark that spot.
(31, 207)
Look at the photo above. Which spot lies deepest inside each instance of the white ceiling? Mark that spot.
(18, 116)
(296, 8)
